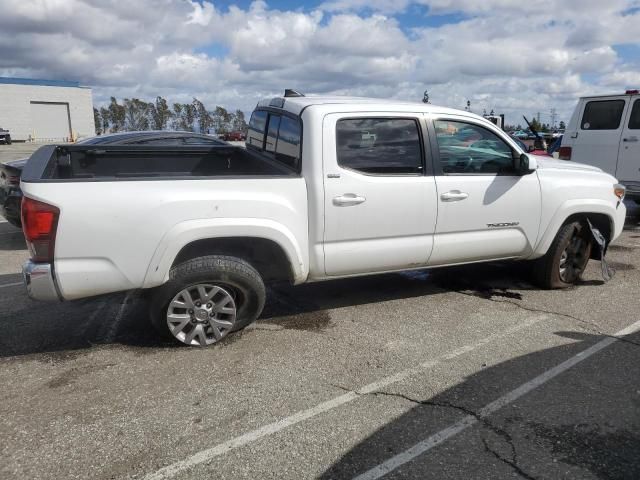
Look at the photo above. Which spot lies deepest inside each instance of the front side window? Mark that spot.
(256, 130)
(466, 148)
(382, 146)
(602, 115)
(634, 119)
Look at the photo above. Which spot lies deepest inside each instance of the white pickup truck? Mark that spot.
(326, 188)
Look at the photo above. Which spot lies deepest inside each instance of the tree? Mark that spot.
(104, 117)
(97, 120)
(562, 125)
(159, 114)
(238, 121)
(136, 114)
(116, 116)
(221, 120)
(184, 116)
(203, 117)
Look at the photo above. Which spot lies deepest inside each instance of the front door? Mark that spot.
(628, 171)
(485, 211)
(380, 204)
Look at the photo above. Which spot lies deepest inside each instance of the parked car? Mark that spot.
(233, 137)
(11, 195)
(5, 136)
(372, 189)
(521, 134)
(604, 131)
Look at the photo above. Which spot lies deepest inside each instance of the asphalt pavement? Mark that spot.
(455, 373)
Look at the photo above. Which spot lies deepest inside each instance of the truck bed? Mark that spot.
(54, 163)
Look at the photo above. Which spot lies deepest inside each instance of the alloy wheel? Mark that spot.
(202, 314)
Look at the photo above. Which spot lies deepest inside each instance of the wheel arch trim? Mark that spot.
(185, 233)
(567, 210)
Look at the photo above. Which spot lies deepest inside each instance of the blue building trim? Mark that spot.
(38, 81)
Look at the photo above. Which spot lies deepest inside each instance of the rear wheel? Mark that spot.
(564, 263)
(207, 298)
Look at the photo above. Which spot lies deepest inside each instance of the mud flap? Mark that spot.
(607, 271)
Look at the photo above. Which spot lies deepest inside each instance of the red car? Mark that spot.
(234, 137)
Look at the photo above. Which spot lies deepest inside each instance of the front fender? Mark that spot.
(190, 231)
(579, 206)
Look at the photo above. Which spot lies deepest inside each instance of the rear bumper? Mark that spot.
(39, 280)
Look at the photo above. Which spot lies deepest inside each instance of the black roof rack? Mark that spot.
(289, 92)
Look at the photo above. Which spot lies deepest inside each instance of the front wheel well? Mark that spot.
(266, 256)
(601, 221)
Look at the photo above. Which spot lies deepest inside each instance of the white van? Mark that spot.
(605, 131)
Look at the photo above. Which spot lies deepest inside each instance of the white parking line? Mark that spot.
(249, 437)
(443, 435)
(11, 284)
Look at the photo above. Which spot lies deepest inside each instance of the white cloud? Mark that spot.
(516, 57)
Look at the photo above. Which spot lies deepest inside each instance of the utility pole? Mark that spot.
(538, 116)
(554, 116)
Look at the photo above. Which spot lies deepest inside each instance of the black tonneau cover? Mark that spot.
(74, 163)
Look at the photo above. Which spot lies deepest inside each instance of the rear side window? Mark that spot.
(257, 125)
(634, 119)
(602, 115)
(382, 146)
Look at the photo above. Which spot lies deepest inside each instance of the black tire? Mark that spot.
(546, 270)
(8, 140)
(233, 274)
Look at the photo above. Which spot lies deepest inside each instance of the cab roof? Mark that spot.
(297, 104)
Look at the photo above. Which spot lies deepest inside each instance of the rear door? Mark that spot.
(628, 171)
(597, 139)
(380, 199)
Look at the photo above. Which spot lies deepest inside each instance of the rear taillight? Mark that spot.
(39, 224)
(564, 153)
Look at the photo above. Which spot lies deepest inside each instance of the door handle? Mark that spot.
(630, 139)
(348, 199)
(453, 196)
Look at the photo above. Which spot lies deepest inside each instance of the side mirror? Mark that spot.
(521, 165)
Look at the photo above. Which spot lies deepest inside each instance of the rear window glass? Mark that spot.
(602, 115)
(634, 119)
(257, 125)
(278, 135)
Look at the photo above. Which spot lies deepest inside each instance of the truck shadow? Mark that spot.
(31, 327)
(563, 426)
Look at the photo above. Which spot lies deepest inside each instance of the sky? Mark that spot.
(513, 57)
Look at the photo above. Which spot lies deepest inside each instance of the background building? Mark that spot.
(45, 110)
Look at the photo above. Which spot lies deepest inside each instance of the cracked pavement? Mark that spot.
(89, 391)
